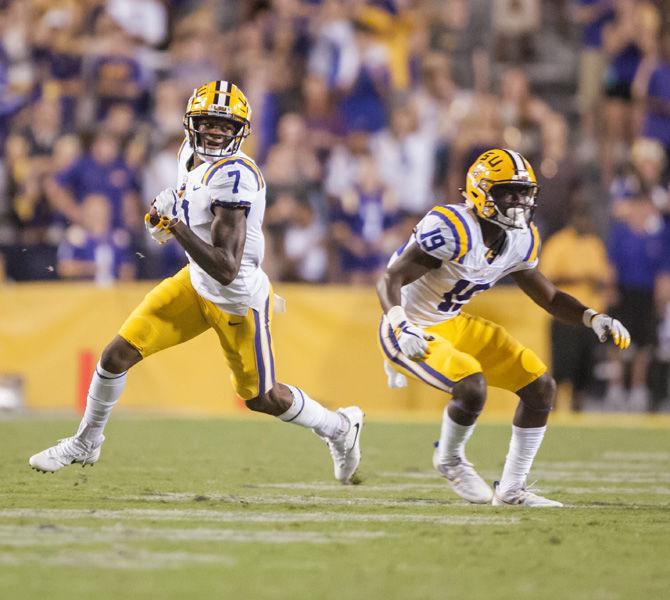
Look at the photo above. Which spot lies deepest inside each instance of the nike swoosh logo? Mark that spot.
(233, 324)
(197, 188)
(358, 428)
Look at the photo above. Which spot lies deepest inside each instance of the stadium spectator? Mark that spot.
(480, 128)
(365, 87)
(575, 259)
(300, 254)
(643, 174)
(366, 225)
(592, 16)
(440, 107)
(146, 20)
(406, 156)
(557, 175)
(524, 115)
(626, 38)
(653, 86)
(514, 24)
(343, 163)
(101, 170)
(291, 162)
(324, 122)
(93, 250)
(459, 29)
(634, 247)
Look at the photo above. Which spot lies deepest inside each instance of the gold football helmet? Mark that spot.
(501, 187)
(217, 119)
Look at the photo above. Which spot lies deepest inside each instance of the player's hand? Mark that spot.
(158, 227)
(166, 203)
(606, 326)
(413, 341)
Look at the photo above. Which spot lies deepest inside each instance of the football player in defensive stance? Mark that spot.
(216, 214)
(455, 252)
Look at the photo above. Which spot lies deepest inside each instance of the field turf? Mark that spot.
(249, 510)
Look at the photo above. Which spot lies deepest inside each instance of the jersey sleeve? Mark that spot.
(233, 183)
(445, 234)
(530, 247)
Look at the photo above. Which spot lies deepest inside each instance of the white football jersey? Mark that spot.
(231, 181)
(451, 233)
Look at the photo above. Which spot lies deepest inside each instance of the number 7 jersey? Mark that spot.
(236, 182)
(451, 233)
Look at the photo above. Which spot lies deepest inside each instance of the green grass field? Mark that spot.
(249, 510)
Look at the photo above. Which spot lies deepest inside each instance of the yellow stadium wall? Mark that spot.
(326, 342)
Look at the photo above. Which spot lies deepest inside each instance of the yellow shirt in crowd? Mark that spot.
(578, 264)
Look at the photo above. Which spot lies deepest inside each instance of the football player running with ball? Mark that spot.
(455, 252)
(216, 214)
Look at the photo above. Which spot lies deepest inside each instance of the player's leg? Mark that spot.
(529, 426)
(169, 315)
(107, 384)
(247, 345)
(340, 430)
(508, 364)
(459, 375)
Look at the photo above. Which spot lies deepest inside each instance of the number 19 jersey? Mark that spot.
(451, 233)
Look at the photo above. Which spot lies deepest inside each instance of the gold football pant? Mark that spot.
(463, 346)
(173, 313)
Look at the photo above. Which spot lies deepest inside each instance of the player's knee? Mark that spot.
(257, 404)
(119, 356)
(540, 394)
(274, 402)
(470, 394)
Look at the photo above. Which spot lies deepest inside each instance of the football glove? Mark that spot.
(166, 203)
(413, 341)
(160, 232)
(606, 326)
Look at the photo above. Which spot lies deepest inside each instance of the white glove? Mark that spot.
(159, 232)
(606, 326)
(166, 203)
(413, 341)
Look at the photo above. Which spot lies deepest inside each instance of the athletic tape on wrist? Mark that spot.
(588, 315)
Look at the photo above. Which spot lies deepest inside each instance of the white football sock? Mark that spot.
(453, 437)
(103, 393)
(523, 447)
(309, 413)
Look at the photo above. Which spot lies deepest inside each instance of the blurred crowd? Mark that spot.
(365, 114)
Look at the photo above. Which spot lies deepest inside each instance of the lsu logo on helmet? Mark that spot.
(219, 102)
(501, 187)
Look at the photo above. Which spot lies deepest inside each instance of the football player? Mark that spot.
(454, 253)
(216, 214)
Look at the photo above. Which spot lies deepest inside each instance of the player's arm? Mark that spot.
(412, 264)
(568, 309)
(222, 259)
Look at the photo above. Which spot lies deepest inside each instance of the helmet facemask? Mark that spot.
(509, 204)
(213, 136)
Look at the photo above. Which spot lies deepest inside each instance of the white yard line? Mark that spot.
(289, 499)
(636, 456)
(22, 536)
(338, 487)
(250, 517)
(653, 491)
(555, 475)
(599, 465)
(126, 559)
